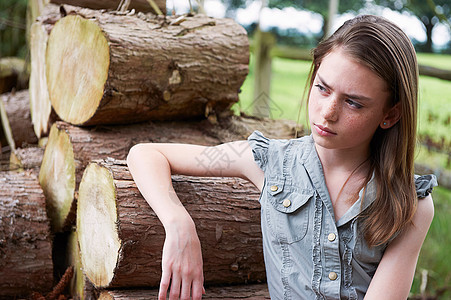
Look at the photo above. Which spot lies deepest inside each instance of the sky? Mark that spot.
(311, 23)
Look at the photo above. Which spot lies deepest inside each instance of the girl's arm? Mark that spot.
(151, 166)
(394, 275)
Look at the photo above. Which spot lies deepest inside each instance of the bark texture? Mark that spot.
(145, 67)
(71, 148)
(121, 239)
(138, 5)
(25, 239)
(26, 158)
(16, 119)
(251, 291)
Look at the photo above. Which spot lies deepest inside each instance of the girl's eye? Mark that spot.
(320, 87)
(354, 103)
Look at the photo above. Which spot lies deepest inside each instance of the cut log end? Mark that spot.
(40, 106)
(57, 177)
(96, 225)
(78, 50)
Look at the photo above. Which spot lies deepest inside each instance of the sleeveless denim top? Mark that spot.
(309, 255)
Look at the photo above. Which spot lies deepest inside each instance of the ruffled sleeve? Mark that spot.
(424, 184)
(259, 145)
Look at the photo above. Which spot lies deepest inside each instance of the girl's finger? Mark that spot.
(164, 284)
(186, 290)
(197, 290)
(174, 293)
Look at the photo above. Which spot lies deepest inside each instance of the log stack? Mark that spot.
(25, 239)
(103, 80)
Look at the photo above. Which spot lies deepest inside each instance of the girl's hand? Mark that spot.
(182, 263)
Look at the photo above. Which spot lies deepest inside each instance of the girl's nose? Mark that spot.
(330, 109)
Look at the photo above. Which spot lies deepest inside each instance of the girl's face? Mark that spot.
(347, 103)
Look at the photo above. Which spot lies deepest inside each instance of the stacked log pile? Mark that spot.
(25, 238)
(102, 81)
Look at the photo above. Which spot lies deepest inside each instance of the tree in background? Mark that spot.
(318, 6)
(12, 28)
(429, 12)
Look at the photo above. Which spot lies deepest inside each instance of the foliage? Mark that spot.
(429, 12)
(318, 6)
(434, 257)
(12, 28)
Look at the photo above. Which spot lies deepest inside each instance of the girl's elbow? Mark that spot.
(135, 154)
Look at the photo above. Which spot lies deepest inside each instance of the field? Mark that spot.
(287, 87)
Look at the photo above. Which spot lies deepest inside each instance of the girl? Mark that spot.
(341, 217)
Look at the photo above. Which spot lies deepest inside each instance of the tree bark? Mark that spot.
(70, 149)
(145, 67)
(26, 158)
(42, 114)
(127, 253)
(251, 291)
(16, 119)
(138, 5)
(25, 239)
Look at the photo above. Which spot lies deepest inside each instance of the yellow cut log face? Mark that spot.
(77, 62)
(97, 225)
(57, 178)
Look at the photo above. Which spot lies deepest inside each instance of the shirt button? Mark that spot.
(286, 202)
(274, 188)
(333, 275)
(331, 237)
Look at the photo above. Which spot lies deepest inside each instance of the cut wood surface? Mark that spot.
(121, 239)
(16, 119)
(25, 238)
(80, 288)
(144, 68)
(42, 114)
(249, 291)
(71, 148)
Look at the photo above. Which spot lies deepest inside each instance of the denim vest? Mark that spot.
(309, 255)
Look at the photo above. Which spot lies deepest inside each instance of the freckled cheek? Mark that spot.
(367, 123)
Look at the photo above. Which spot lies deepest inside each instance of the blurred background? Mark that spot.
(282, 34)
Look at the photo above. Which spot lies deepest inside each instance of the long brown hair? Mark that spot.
(385, 49)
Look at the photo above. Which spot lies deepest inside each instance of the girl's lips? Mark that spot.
(324, 131)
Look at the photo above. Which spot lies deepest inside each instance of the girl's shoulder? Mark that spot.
(424, 184)
(259, 139)
(277, 154)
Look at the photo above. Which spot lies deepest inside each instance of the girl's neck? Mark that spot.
(341, 160)
(345, 173)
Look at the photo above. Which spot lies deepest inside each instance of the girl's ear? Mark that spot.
(391, 117)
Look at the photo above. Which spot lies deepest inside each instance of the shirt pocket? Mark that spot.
(287, 212)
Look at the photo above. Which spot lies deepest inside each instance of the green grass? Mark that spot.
(438, 61)
(434, 256)
(287, 87)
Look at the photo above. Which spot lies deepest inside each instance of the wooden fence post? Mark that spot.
(264, 41)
